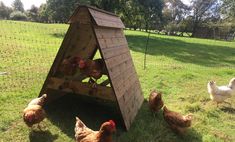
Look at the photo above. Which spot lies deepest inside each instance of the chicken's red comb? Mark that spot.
(112, 123)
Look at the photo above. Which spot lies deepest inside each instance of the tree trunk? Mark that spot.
(195, 26)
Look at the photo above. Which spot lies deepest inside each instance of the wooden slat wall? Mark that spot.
(60, 55)
(106, 20)
(80, 16)
(123, 77)
(77, 87)
(83, 43)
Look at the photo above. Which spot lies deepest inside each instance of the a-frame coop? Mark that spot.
(92, 30)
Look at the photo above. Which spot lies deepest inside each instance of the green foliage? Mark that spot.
(203, 10)
(108, 5)
(60, 10)
(130, 14)
(175, 13)
(42, 13)
(4, 11)
(152, 12)
(18, 5)
(228, 8)
(18, 15)
(33, 14)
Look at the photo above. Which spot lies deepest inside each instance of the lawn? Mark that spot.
(180, 67)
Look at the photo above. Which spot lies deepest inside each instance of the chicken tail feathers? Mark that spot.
(79, 124)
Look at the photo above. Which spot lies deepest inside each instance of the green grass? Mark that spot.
(180, 67)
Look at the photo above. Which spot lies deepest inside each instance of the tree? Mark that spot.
(4, 11)
(201, 10)
(108, 5)
(152, 12)
(17, 15)
(174, 14)
(33, 14)
(228, 8)
(129, 11)
(18, 5)
(42, 13)
(60, 10)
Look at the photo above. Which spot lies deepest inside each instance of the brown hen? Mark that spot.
(69, 66)
(38, 101)
(34, 113)
(85, 134)
(177, 122)
(155, 101)
(92, 68)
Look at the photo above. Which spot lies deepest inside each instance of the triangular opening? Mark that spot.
(104, 80)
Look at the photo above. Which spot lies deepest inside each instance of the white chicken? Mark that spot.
(219, 94)
(232, 83)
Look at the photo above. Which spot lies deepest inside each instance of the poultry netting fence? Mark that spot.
(27, 51)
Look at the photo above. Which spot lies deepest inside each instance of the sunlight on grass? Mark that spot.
(180, 67)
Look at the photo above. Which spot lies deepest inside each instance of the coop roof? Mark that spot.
(100, 17)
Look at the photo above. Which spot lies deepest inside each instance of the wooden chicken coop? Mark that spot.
(93, 30)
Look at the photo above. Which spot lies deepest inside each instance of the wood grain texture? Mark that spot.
(81, 88)
(123, 77)
(106, 20)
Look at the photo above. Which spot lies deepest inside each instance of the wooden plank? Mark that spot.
(105, 33)
(122, 88)
(115, 51)
(109, 43)
(121, 71)
(83, 43)
(121, 68)
(77, 87)
(132, 91)
(121, 84)
(106, 20)
(59, 56)
(131, 106)
(81, 16)
(117, 60)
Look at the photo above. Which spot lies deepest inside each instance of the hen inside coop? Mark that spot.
(83, 75)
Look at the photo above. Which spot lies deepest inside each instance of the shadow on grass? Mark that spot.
(194, 53)
(228, 110)
(151, 127)
(42, 136)
(147, 126)
(62, 113)
(58, 35)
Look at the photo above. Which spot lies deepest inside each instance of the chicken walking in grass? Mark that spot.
(155, 101)
(85, 134)
(219, 94)
(177, 122)
(34, 113)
